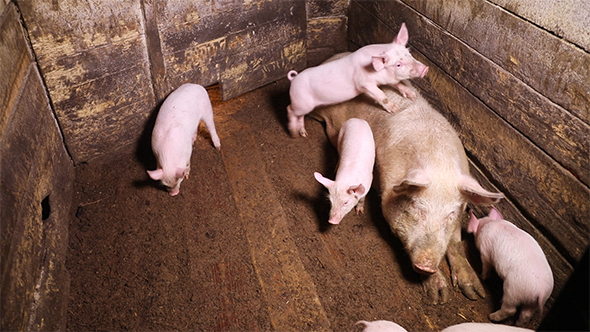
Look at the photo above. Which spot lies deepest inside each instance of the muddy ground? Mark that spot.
(246, 245)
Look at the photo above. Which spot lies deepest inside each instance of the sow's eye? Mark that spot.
(451, 216)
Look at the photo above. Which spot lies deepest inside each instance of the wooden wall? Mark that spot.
(107, 64)
(513, 80)
(36, 191)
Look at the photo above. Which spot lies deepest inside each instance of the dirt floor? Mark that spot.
(246, 245)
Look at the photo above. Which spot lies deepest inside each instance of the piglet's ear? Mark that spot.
(379, 62)
(475, 193)
(358, 189)
(181, 173)
(495, 214)
(473, 223)
(415, 179)
(402, 36)
(156, 174)
(324, 181)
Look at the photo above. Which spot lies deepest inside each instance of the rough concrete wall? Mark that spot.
(36, 188)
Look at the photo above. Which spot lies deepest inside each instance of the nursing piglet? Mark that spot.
(519, 261)
(175, 131)
(360, 72)
(354, 171)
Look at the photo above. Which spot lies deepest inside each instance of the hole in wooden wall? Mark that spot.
(45, 208)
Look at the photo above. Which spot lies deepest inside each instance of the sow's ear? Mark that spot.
(415, 179)
(474, 192)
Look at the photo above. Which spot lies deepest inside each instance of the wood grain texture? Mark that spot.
(565, 18)
(34, 165)
(16, 58)
(93, 58)
(550, 65)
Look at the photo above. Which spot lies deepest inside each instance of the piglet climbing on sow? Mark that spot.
(519, 261)
(355, 170)
(360, 72)
(175, 131)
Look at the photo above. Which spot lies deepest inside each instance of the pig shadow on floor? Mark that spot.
(143, 150)
(279, 99)
(321, 202)
(321, 207)
(373, 207)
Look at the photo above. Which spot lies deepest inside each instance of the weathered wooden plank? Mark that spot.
(555, 130)
(327, 32)
(16, 57)
(249, 70)
(553, 67)
(324, 9)
(216, 60)
(95, 66)
(182, 35)
(72, 71)
(151, 11)
(34, 167)
(97, 115)
(554, 200)
(568, 19)
(197, 65)
(89, 24)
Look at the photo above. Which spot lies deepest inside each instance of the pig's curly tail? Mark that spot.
(291, 75)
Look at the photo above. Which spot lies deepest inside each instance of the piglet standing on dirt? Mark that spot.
(519, 261)
(360, 72)
(176, 130)
(354, 172)
(380, 326)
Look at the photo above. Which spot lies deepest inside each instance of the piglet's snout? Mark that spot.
(424, 71)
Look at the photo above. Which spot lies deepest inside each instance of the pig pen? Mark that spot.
(88, 242)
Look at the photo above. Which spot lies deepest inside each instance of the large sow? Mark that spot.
(425, 185)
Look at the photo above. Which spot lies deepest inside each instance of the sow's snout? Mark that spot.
(425, 264)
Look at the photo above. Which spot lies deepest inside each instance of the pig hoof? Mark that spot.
(437, 288)
(467, 280)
